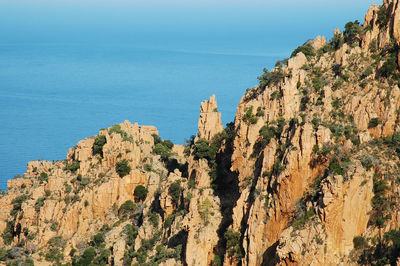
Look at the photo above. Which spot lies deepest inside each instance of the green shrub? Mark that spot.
(352, 29)
(17, 204)
(44, 177)
(366, 162)
(153, 217)
(363, 84)
(56, 241)
(39, 203)
(67, 199)
(87, 257)
(260, 112)
(335, 167)
(73, 167)
(336, 42)
(127, 207)
(267, 133)
(281, 63)
(163, 254)
(367, 72)
(116, 129)
(162, 150)
(373, 46)
(316, 122)
(162, 147)
(394, 236)
(388, 67)
(273, 77)
(191, 184)
(202, 149)
(233, 244)
(359, 242)
(122, 168)
(205, 210)
(380, 203)
(148, 244)
(175, 191)
(8, 233)
(276, 95)
(147, 167)
(188, 198)
(3, 254)
(273, 130)
(131, 232)
(105, 228)
(249, 117)
(216, 261)
(374, 122)
(318, 83)
(102, 257)
(141, 192)
(98, 239)
(383, 17)
(302, 221)
(54, 255)
(98, 144)
(54, 226)
(306, 49)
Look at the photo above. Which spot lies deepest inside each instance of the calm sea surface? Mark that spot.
(53, 95)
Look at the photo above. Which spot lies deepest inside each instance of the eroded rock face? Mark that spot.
(344, 214)
(210, 120)
(293, 181)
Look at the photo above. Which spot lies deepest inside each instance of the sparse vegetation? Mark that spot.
(374, 122)
(73, 167)
(116, 129)
(233, 244)
(127, 208)
(360, 242)
(175, 191)
(352, 29)
(205, 211)
(123, 168)
(99, 142)
(44, 177)
(271, 78)
(249, 117)
(383, 17)
(306, 49)
(140, 192)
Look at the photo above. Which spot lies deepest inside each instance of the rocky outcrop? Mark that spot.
(307, 174)
(343, 214)
(210, 120)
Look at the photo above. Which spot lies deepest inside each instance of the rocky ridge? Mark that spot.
(307, 174)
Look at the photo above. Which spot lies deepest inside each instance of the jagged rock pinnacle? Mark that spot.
(210, 120)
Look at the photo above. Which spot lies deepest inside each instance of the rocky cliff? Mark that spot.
(307, 174)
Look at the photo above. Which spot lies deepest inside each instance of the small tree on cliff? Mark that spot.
(123, 168)
(98, 144)
(140, 192)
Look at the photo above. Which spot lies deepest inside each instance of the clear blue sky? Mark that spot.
(205, 25)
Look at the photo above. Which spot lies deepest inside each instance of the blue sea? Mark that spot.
(69, 67)
(52, 96)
